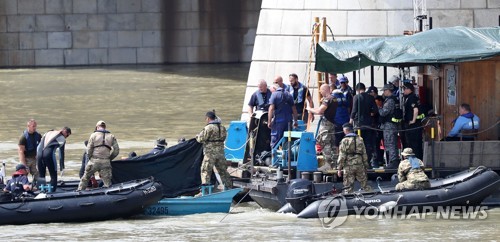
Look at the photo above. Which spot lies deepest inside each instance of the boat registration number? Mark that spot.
(156, 210)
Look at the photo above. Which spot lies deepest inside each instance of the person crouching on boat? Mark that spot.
(353, 159)
(19, 182)
(212, 137)
(411, 173)
(101, 150)
(46, 154)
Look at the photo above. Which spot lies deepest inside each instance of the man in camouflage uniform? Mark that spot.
(212, 137)
(101, 150)
(353, 159)
(326, 132)
(388, 125)
(411, 173)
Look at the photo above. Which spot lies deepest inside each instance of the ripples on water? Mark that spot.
(141, 103)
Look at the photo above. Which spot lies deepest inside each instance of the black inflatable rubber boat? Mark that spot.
(468, 188)
(118, 201)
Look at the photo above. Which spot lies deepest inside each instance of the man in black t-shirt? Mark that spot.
(412, 120)
(27, 145)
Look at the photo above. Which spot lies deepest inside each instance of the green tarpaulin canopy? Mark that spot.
(436, 46)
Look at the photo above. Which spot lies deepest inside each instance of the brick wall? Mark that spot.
(101, 32)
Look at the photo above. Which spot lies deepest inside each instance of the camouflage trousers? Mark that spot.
(406, 185)
(352, 173)
(31, 164)
(103, 166)
(207, 167)
(325, 138)
(390, 144)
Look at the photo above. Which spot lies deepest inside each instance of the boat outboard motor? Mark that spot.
(300, 192)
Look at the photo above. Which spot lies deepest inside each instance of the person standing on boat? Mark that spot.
(101, 150)
(281, 112)
(325, 136)
(212, 137)
(161, 144)
(389, 125)
(333, 81)
(412, 120)
(411, 173)
(353, 160)
(344, 101)
(363, 110)
(46, 153)
(27, 145)
(465, 126)
(300, 94)
(278, 80)
(260, 98)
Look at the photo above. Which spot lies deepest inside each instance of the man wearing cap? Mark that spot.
(395, 81)
(363, 110)
(412, 120)
(101, 150)
(28, 142)
(353, 160)
(344, 107)
(411, 173)
(389, 125)
(19, 182)
(46, 153)
(212, 137)
(300, 94)
(161, 144)
(260, 98)
(326, 130)
(281, 112)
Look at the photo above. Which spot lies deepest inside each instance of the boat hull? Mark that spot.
(118, 201)
(219, 202)
(467, 193)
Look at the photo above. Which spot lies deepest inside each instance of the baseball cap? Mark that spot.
(343, 79)
(21, 166)
(372, 89)
(388, 87)
(100, 123)
(394, 79)
(409, 86)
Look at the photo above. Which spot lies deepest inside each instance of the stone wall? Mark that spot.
(283, 40)
(102, 32)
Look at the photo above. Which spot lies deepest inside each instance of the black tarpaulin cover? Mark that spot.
(177, 168)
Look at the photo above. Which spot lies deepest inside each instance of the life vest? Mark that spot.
(103, 141)
(31, 140)
(300, 93)
(342, 115)
(331, 109)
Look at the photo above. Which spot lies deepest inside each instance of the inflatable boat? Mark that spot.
(468, 188)
(121, 200)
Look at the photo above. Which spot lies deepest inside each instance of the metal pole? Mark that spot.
(354, 78)
(385, 75)
(430, 21)
(372, 72)
(433, 161)
(288, 178)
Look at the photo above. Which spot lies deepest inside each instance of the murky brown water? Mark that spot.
(142, 103)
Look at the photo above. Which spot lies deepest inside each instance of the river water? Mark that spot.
(142, 103)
